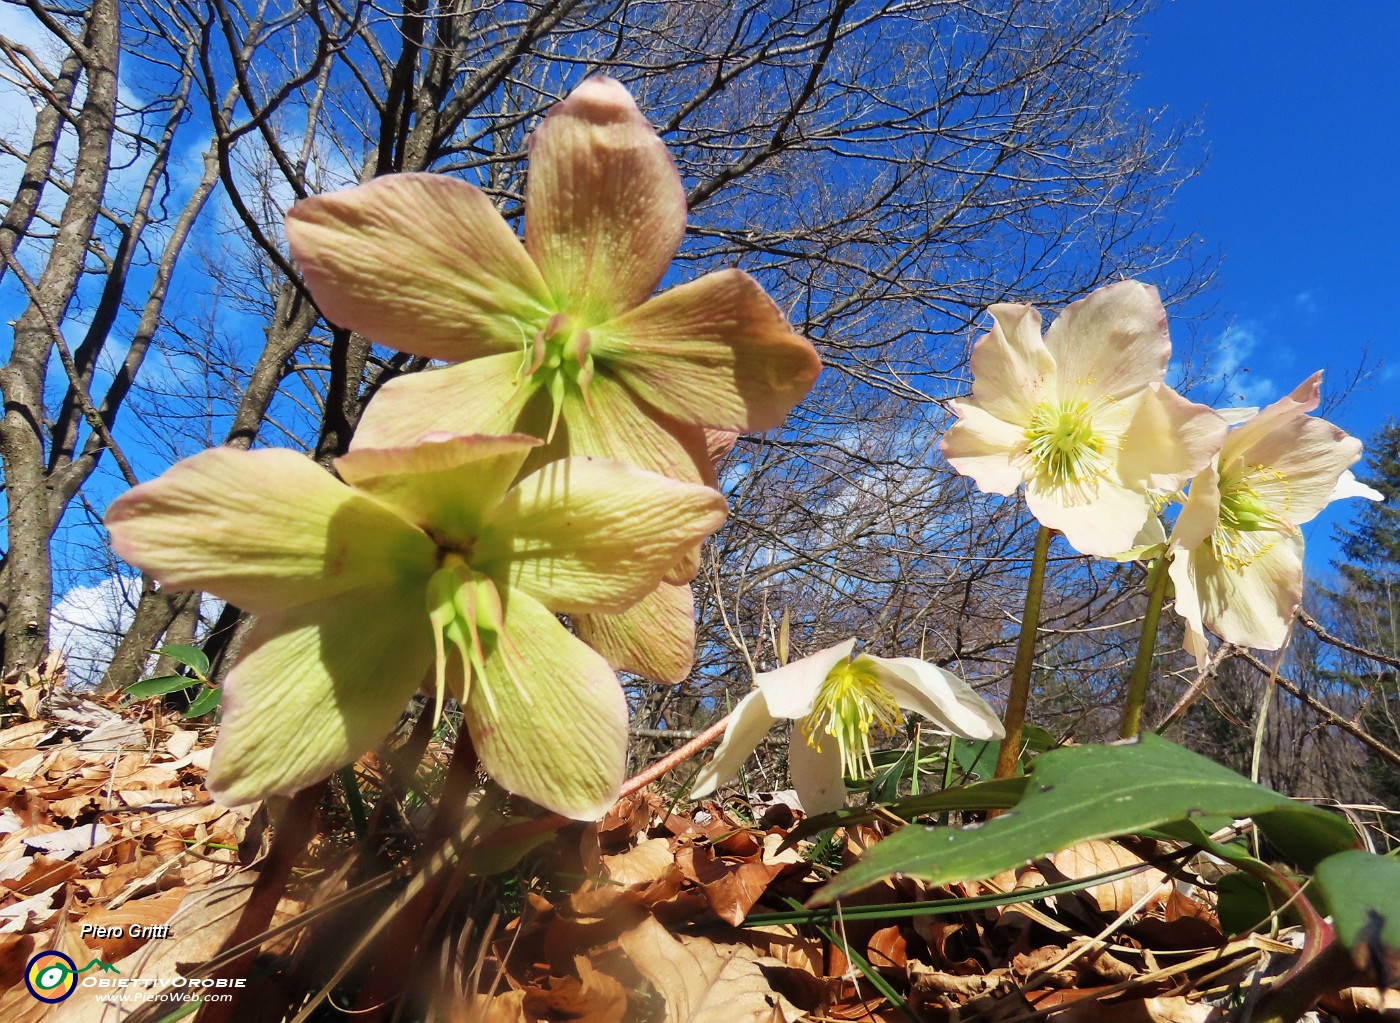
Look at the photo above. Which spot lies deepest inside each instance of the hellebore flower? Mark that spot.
(424, 564)
(1082, 416)
(559, 337)
(1237, 551)
(836, 703)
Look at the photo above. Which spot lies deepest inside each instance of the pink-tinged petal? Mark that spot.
(654, 638)
(1110, 344)
(585, 535)
(716, 352)
(1304, 399)
(816, 773)
(445, 484)
(1012, 370)
(266, 530)
(1251, 606)
(1200, 514)
(1105, 525)
(316, 687)
(548, 718)
(749, 722)
(1349, 486)
(984, 448)
(792, 689)
(613, 424)
(482, 396)
(940, 696)
(419, 262)
(605, 208)
(1168, 440)
(1297, 466)
(718, 444)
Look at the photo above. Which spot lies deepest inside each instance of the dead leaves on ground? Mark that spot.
(104, 822)
(657, 915)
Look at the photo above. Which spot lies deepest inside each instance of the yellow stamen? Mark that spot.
(849, 706)
(1064, 448)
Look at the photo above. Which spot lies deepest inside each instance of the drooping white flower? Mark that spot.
(836, 704)
(1237, 551)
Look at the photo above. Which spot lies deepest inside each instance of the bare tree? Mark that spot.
(886, 169)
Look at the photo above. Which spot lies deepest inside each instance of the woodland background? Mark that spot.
(886, 169)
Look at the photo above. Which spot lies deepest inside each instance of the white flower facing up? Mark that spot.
(1237, 551)
(1082, 417)
(836, 704)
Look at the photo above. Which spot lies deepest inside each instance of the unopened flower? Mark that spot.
(1237, 551)
(425, 564)
(837, 704)
(1081, 416)
(559, 337)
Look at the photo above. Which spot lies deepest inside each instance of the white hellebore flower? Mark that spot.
(1082, 417)
(836, 703)
(1237, 551)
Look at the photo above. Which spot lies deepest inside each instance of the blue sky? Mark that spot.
(1300, 110)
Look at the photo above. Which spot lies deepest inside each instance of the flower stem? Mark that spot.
(1147, 646)
(1015, 717)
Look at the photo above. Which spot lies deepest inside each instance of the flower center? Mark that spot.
(561, 359)
(849, 706)
(1064, 448)
(1253, 508)
(465, 610)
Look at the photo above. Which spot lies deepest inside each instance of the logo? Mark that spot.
(52, 976)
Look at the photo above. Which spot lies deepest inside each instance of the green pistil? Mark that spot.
(849, 706)
(1064, 446)
(1250, 521)
(465, 611)
(561, 360)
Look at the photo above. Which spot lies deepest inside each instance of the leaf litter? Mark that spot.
(647, 916)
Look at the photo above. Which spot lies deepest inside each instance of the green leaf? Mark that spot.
(190, 656)
(1243, 904)
(1075, 793)
(1362, 892)
(983, 795)
(205, 701)
(159, 686)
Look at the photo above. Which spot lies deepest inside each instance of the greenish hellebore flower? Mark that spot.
(836, 704)
(425, 565)
(561, 336)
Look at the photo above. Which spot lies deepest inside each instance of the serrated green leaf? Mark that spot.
(190, 656)
(1075, 793)
(205, 701)
(1362, 892)
(147, 688)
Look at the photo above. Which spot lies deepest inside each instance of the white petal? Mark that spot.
(749, 723)
(792, 689)
(981, 446)
(939, 695)
(1349, 486)
(816, 776)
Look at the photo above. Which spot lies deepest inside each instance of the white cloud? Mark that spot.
(1233, 351)
(88, 622)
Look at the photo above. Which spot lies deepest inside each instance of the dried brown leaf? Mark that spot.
(702, 982)
(1096, 857)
